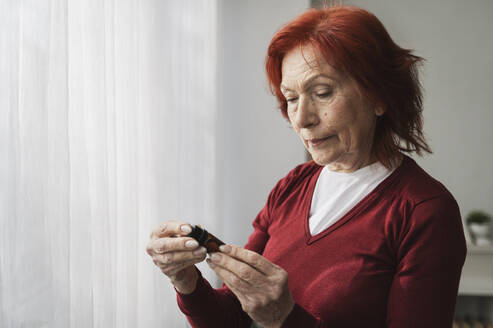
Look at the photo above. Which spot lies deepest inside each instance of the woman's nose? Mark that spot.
(306, 114)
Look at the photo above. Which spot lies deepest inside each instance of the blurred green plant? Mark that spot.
(478, 217)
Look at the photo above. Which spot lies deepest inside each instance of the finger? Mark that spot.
(238, 268)
(238, 286)
(172, 258)
(235, 283)
(171, 228)
(171, 271)
(253, 259)
(168, 244)
(157, 230)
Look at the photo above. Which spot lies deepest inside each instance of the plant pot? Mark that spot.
(480, 233)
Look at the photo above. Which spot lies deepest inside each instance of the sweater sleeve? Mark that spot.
(299, 317)
(430, 257)
(209, 307)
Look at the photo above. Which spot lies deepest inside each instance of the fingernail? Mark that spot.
(163, 228)
(199, 251)
(215, 257)
(225, 248)
(191, 244)
(212, 265)
(186, 228)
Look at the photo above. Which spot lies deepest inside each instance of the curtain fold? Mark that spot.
(107, 128)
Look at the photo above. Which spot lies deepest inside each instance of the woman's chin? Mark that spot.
(321, 159)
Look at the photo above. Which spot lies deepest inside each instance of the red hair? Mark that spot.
(355, 42)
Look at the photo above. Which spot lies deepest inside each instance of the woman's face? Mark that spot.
(335, 123)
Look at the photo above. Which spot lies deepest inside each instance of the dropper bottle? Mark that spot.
(206, 239)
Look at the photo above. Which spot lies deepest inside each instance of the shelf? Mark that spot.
(471, 249)
(476, 287)
(477, 273)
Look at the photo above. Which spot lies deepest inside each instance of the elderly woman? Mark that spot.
(359, 237)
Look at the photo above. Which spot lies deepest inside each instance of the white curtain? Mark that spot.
(107, 113)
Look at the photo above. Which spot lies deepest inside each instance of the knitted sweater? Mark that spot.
(394, 260)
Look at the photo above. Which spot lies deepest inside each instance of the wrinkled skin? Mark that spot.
(260, 285)
(175, 255)
(325, 104)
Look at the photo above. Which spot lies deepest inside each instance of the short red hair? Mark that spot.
(355, 42)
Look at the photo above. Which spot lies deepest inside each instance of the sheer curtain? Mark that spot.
(106, 129)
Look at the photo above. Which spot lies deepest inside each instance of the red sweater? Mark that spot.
(394, 260)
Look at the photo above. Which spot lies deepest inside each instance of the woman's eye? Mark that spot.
(324, 94)
(291, 99)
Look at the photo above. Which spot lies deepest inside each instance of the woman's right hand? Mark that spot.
(175, 254)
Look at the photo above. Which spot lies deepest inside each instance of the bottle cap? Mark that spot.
(199, 234)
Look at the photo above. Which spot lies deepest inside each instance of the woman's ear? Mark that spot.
(379, 111)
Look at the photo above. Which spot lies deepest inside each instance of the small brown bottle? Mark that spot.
(206, 239)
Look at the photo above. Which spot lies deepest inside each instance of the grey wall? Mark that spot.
(256, 147)
(455, 38)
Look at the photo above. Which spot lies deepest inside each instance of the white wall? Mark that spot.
(255, 145)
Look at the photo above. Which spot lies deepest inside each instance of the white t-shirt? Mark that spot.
(336, 193)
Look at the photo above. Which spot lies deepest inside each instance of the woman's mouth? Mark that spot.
(317, 142)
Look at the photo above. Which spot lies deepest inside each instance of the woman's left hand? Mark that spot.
(260, 285)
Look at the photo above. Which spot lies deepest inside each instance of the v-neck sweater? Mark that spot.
(394, 260)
